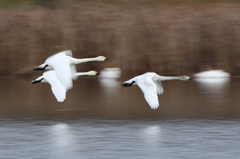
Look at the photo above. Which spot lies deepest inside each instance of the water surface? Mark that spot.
(101, 119)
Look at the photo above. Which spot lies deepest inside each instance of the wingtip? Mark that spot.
(154, 107)
(60, 100)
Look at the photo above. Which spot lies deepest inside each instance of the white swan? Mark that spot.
(58, 89)
(64, 65)
(150, 84)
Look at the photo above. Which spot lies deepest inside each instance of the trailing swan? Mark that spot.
(150, 84)
(58, 89)
(64, 65)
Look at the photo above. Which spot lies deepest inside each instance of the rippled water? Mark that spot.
(101, 119)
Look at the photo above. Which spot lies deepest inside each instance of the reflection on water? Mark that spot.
(120, 139)
(101, 119)
(60, 134)
(213, 85)
(214, 89)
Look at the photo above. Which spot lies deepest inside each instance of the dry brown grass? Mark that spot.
(169, 40)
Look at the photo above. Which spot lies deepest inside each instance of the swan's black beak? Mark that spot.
(98, 73)
(126, 85)
(38, 69)
(107, 59)
(35, 81)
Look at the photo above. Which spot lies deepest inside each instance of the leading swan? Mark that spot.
(58, 89)
(150, 84)
(64, 65)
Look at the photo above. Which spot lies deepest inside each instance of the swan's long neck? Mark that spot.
(78, 61)
(81, 74)
(165, 78)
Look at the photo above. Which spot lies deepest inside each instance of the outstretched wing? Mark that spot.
(73, 71)
(58, 89)
(159, 87)
(59, 92)
(149, 88)
(61, 65)
(68, 52)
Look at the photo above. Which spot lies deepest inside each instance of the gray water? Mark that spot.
(101, 119)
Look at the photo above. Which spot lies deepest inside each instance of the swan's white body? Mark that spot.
(150, 84)
(58, 89)
(64, 65)
(212, 74)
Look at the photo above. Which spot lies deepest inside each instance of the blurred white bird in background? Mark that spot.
(213, 81)
(212, 74)
(110, 73)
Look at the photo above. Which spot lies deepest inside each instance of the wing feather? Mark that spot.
(58, 89)
(62, 68)
(149, 88)
(59, 92)
(68, 52)
(73, 71)
(160, 89)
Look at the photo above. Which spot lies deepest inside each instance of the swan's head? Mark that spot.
(102, 58)
(93, 73)
(185, 78)
(128, 83)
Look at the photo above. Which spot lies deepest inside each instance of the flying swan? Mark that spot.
(58, 89)
(150, 84)
(64, 65)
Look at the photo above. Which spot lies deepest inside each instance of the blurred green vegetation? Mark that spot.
(21, 3)
(12, 3)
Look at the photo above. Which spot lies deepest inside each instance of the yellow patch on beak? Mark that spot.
(95, 72)
(104, 58)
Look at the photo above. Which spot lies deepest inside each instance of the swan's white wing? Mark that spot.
(148, 88)
(68, 52)
(58, 89)
(159, 87)
(73, 71)
(61, 65)
(64, 74)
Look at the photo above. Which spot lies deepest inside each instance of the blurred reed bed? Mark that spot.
(167, 39)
